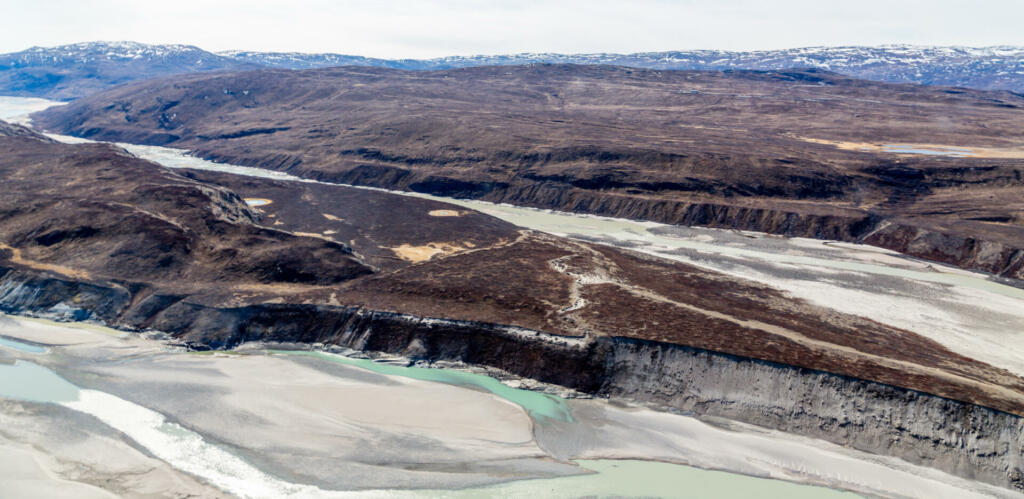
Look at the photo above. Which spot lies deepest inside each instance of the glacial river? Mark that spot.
(538, 405)
(187, 450)
(967, 312)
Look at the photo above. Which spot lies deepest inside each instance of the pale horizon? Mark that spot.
(441, 28)
(496, 54)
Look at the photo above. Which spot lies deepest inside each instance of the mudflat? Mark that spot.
(328, 429)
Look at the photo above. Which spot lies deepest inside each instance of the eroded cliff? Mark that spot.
(961, 438)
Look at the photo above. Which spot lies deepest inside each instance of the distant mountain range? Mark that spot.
(71, 71)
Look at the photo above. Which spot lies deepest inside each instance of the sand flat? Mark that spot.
(606, 431)
(308, 421)
(51, 451)
(26, 473)
(328, 409)
(49, 333)
(305, 422)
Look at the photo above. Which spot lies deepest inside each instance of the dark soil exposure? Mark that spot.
(372, 223)
(107, 216)
(95, 212)
(88, 231)
(778, 152)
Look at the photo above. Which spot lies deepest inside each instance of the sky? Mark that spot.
(436, 28)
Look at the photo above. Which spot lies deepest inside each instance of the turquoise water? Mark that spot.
(20, 346)
(538, 405)
(632, 478)
(34, 383)
(189, 451)
(610, 478)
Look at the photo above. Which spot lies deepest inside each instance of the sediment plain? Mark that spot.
(798, 153)
(698, 340)
(330, 429)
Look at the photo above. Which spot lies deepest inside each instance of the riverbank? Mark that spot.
(313, 421)
(968, 312)
(587, 317)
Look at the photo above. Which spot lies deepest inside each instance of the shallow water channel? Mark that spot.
(538, 405)
(190, 452)
(966, 311)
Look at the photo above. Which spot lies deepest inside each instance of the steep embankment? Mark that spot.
(963, 439)
(789, 152)
(90, 232)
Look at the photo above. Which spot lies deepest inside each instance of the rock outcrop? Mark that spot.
(89, 232)
(960, 438)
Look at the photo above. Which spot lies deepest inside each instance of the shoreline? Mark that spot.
(538, 429)
(697, 380)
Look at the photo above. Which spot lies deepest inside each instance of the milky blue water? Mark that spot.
(34, 383)
(539, 405)
(20, 346)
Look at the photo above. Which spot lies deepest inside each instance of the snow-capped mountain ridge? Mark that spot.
(300, 60)
(827, 55)
(70, 71)
(91, 51)
(994, 67)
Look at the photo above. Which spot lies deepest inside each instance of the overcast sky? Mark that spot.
(433, 28)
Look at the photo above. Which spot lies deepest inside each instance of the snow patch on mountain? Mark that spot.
(995, 67)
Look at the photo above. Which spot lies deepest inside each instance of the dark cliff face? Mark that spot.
(961, 438)
(93, 233)
(171, 243)
(750, 150)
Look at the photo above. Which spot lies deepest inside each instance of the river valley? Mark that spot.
(282, 420)
(261, 421)
(967, 312)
